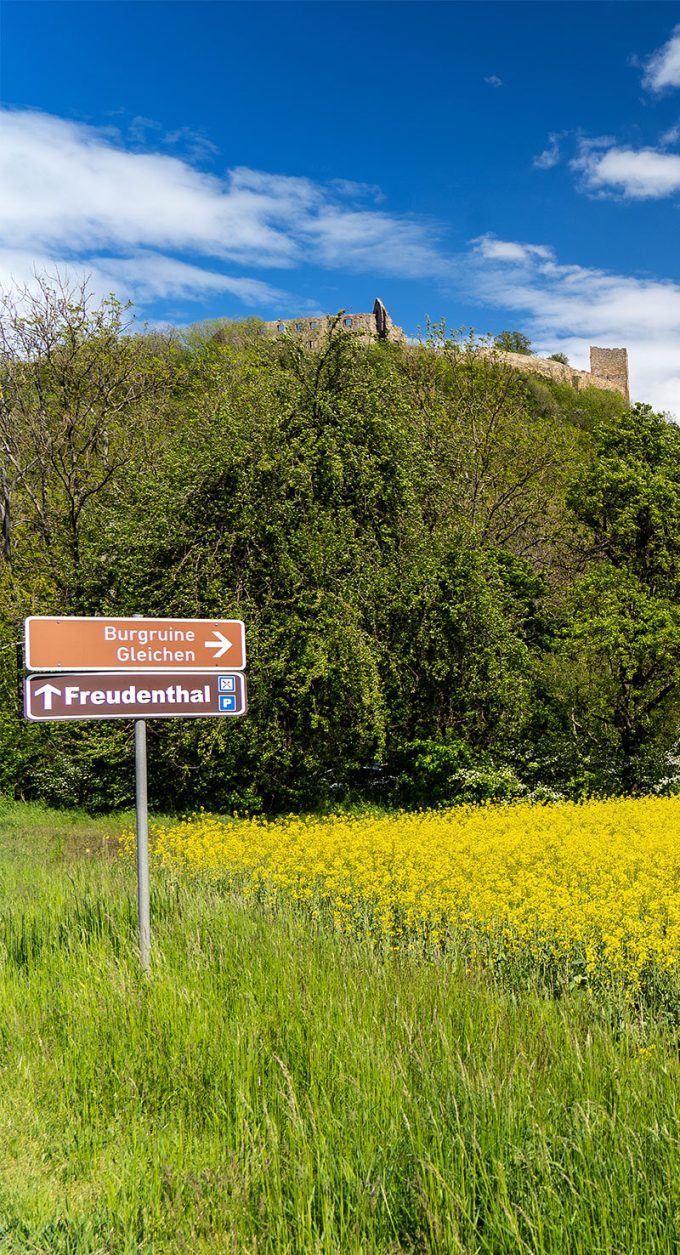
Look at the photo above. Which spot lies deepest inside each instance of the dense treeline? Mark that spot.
(457, 581)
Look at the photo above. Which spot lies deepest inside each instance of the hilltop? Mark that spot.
(608, 366)
(459, 579)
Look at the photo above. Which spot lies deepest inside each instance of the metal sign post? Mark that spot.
(142, 824)
(134, 669)
(142, 843)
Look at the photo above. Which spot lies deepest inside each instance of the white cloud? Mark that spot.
(151, 275)
(359, 191)
(68, 187)
(672, 135)
(509, 250)
(662, 70)
(566, 308)
(197, 147)
(494, 81)
(75, 196)
(640, 174)
(370, 240)
(144, 277)
(550, 156)
(137, 131)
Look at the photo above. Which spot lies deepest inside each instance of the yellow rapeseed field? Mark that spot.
(595, 884)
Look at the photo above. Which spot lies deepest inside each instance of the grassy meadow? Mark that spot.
(310, 1068)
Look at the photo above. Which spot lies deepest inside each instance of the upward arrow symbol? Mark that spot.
(49, 691)
(221, 645)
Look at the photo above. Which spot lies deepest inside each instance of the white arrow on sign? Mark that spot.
(221, 645)
(50, 691)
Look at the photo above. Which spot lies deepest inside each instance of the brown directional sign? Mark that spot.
(70, 644)
(111, 695)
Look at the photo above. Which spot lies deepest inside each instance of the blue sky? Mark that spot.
(495, 164)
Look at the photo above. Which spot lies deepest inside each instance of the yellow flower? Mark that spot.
(594, 887)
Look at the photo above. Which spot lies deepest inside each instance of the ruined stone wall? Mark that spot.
(608, 367)
(311, 331)
(578, 379)
(367, 327)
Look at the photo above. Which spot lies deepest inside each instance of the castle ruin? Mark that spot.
(608, 367)
(366, 327)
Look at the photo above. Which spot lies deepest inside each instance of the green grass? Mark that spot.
(273, 1088)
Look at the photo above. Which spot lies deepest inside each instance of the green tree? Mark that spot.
(513, 342)
(617, 676)
(70, 379)
(494, 458)
(629, 497)
(617, 665)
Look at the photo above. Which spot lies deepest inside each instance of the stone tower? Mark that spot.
(612, 365)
